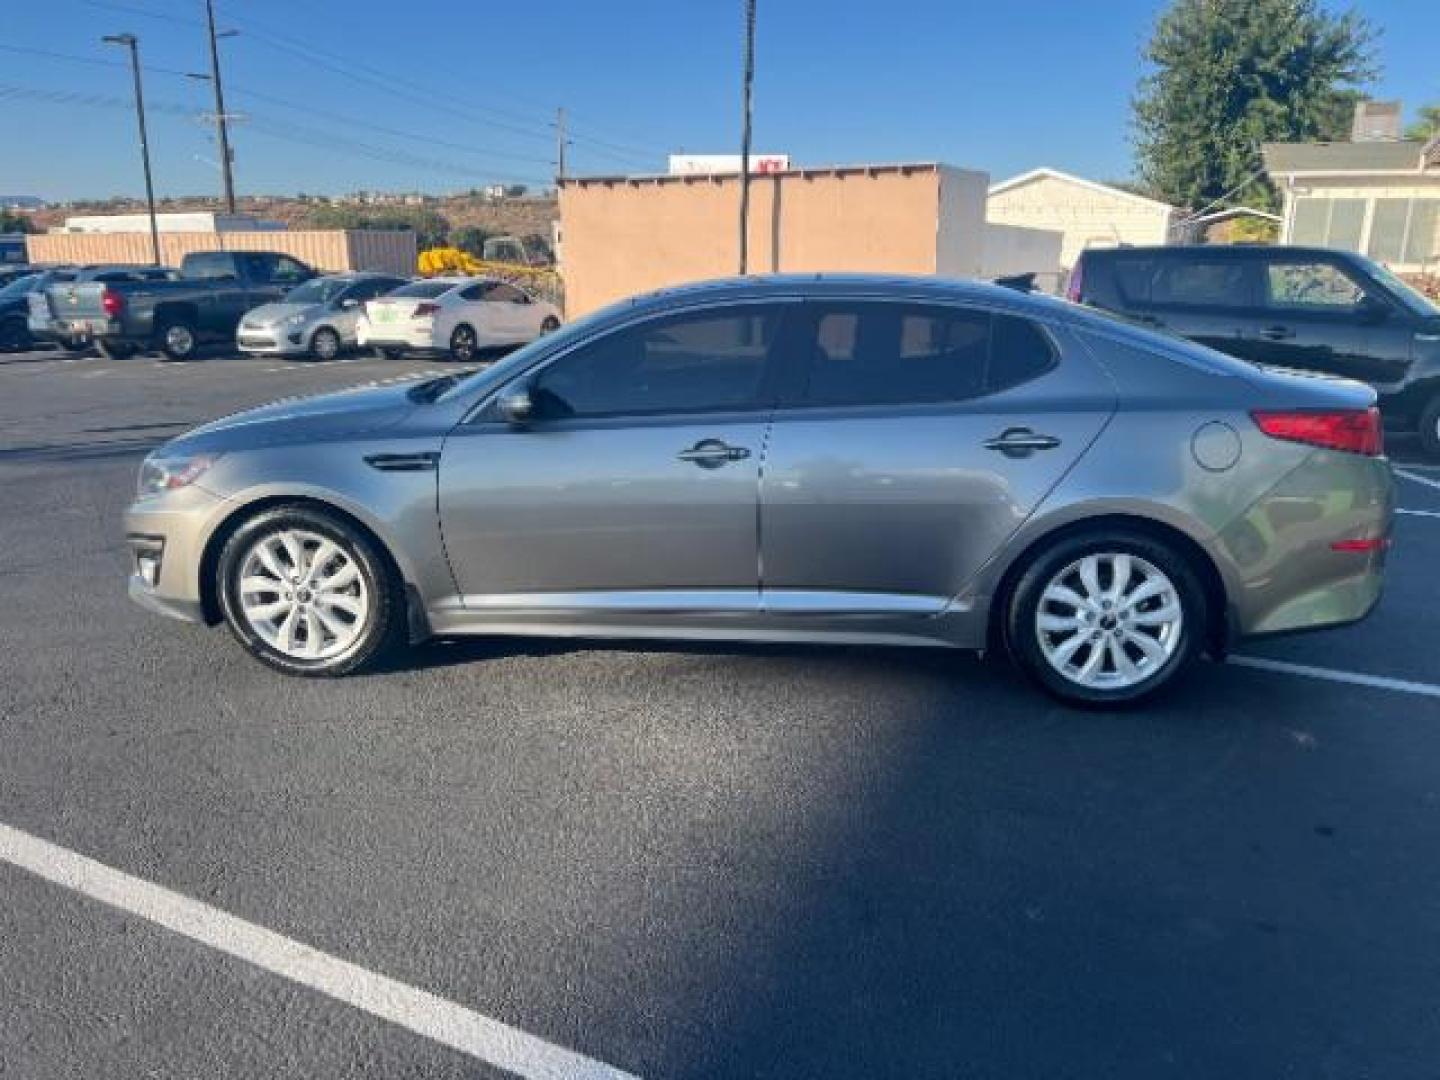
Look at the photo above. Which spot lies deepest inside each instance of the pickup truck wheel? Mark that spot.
(116, 350)
(325, 344)
(177, 340)
(1430, 428)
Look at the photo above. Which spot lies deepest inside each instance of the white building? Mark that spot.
(1379, 198)
(198, 221)
(1085, 213)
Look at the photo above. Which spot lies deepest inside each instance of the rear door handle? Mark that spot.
(1021, 442)
(712, 453)
(1277, 333)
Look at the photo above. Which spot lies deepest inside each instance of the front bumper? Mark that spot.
(271, 341)
(167, 535)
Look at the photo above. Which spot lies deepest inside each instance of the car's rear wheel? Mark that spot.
(308, 593)
(550, 325)
(1106, 618)
(463, 344)
(325, 344)
(1430, 428)
(177, 340)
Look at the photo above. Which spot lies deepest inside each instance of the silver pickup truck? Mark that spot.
(43, 316)
(203, 302)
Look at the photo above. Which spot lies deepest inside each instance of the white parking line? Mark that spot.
(1427, 481)
(1354, 678)
(481, 1037)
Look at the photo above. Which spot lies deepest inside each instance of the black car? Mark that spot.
(1312, 309)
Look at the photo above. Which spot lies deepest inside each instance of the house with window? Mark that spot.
(1381, 198)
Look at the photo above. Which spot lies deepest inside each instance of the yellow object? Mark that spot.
(435, 262)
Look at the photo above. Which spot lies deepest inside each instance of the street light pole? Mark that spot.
(220, 118)
(133, 44)
(749, 79)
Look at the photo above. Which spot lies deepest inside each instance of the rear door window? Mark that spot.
(879, 353)
(1203, 283)
(209, 266)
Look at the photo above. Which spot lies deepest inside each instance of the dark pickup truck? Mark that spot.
(1311, 309)
(204, 303)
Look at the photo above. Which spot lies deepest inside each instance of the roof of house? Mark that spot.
(902, 167)
(1056, 174)
(1344, 157)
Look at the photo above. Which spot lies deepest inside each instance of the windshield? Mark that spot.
(318, 291)
(1402, 290)
(20, 286)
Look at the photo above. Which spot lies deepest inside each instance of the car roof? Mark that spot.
(1232, 251)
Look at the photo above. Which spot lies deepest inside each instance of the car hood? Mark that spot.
(346, 412)
(270, 314)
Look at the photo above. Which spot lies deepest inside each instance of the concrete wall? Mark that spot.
(327, 249)
(960, 231)
(1010, 249)
(1086, 215)
(628, 235)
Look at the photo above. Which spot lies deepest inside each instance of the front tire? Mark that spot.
(1106, 618)
(325, 344)
(550, 325)
(308, 593)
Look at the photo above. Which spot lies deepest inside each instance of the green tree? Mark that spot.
(470, 238)
(1228, 75)
(1428, 126)
(15, 223)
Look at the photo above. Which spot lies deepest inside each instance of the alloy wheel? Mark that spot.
(179, 340)
(303, 594)
(462, 344)
(325, 344)
(1109, 621)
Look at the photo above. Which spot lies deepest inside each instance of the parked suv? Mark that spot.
(1313, 309)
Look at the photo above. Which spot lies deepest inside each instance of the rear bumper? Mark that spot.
(399, 338)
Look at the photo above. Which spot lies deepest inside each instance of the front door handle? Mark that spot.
(1277, 333)
(1021, 442)
(712, 453)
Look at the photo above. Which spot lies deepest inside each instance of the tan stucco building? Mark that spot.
(622, 235)
(1085, 213)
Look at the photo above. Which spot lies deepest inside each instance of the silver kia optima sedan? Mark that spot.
(873, 460)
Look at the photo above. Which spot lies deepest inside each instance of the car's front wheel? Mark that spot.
(1106, 618)
(308, 593)
(178, 340)
(325, 344)
(463, 344)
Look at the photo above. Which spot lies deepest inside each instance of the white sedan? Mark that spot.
(454, 315)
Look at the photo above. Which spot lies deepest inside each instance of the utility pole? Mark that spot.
(560, 143)
(220, 117)
(131, 42)
(749, 79)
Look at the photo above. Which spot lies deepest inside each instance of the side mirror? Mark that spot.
(515, 404)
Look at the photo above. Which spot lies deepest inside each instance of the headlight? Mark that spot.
(166, 472)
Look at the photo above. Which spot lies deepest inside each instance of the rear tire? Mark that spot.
(463, 344)
(177, 340)
(1093, 640)
(550, 325)
(15, 336)
(116, 350)
(307, 593)
(1430, 428)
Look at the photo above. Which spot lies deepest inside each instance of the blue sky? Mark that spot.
(440, 95)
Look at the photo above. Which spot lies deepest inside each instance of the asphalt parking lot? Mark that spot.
(678, 861)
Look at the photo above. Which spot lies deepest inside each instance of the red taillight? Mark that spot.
(113, 303)
(422, 310)
(1077, 281)
(1374, 543)
(1355, 431)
